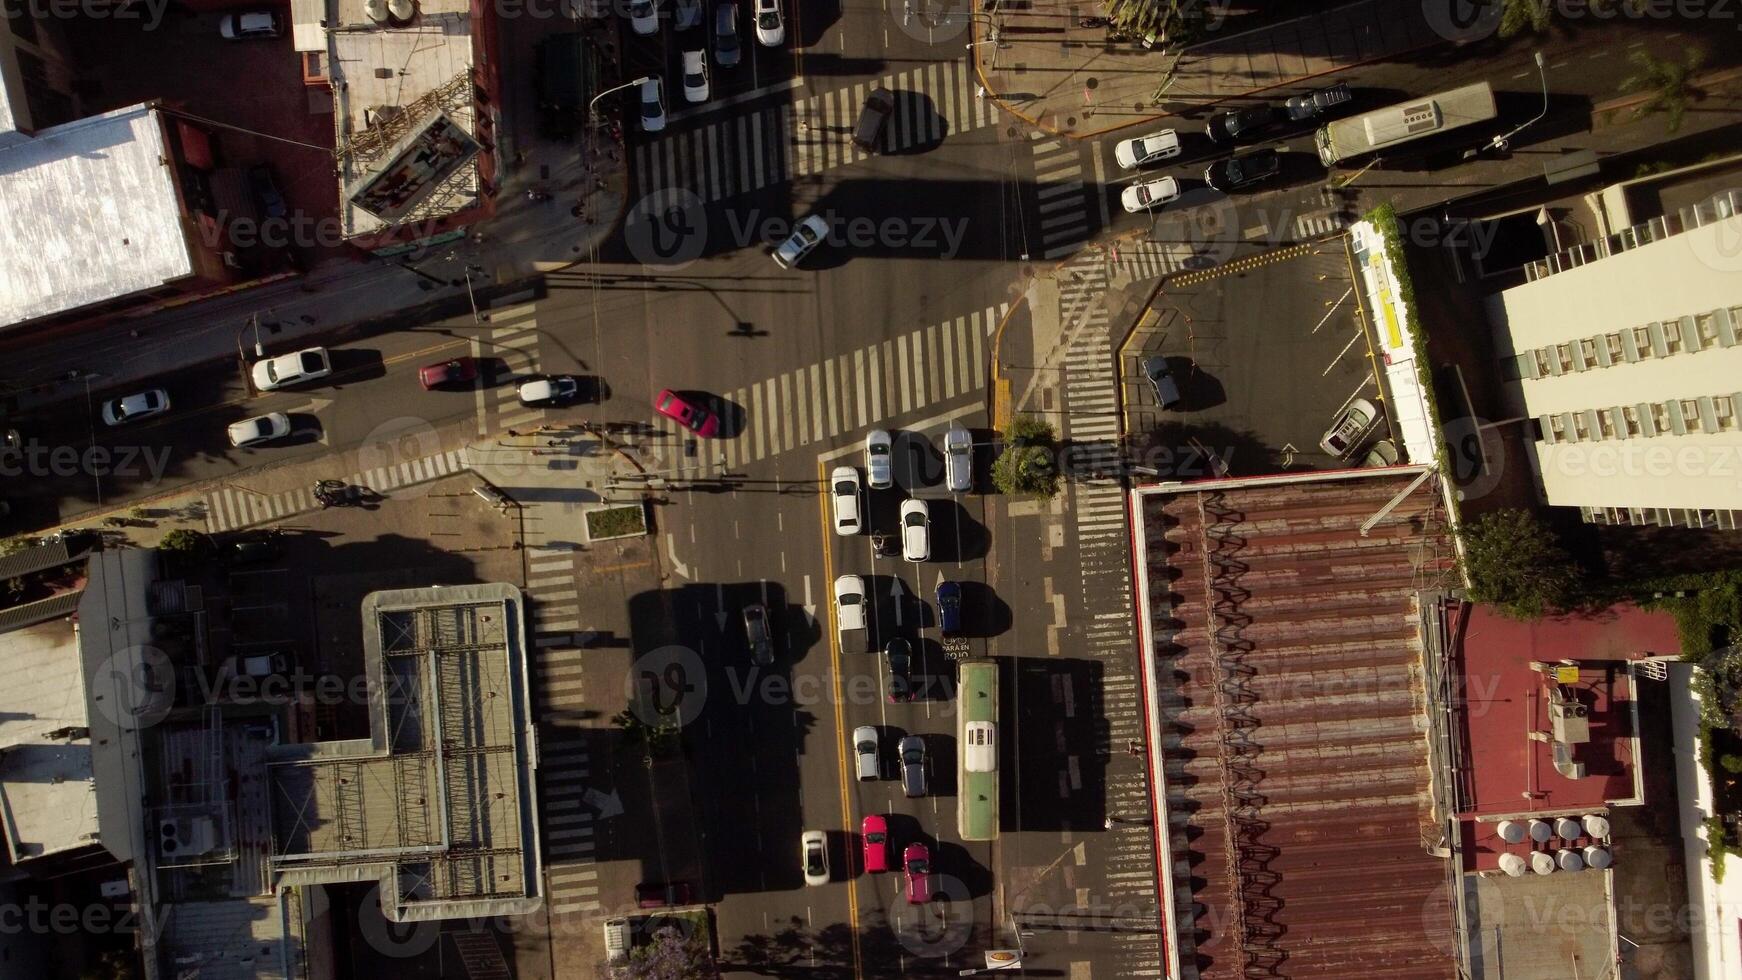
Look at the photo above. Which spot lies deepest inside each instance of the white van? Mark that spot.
(616, 940)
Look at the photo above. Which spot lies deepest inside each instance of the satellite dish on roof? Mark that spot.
(402, 10)
(1568, 828)
(1596, 825)
(1512, 864)
(1511, 831)
(1569, 860)
(1540, 831)
(1598, 857)
(1541, 863)
(375, 10)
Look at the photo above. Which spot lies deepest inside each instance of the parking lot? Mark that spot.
(1266, 351)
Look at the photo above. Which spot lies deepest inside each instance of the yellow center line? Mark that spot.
(840, 721)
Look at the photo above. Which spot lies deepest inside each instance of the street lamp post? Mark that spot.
(615, 88)
(1501, 142)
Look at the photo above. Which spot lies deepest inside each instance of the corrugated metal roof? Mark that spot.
(51, 555)
(91, 215)
(1287, 655)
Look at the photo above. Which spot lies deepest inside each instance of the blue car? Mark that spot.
(950, 607)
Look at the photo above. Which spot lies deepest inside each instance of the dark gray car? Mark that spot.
(1161, 379)
(727, 48)
(912, 751)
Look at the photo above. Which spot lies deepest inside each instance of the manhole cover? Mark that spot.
(1092, 83)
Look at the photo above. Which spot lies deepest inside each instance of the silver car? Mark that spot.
(879, 468)
(1349, 432)
(912, 750)
(958, 459)
(865, 750)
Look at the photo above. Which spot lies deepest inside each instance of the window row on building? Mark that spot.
(1673, 417)
(1689, 334)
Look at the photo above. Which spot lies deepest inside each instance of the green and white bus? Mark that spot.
(977, 766)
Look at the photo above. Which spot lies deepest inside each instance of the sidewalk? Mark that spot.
(1070, 80)
(524, 239)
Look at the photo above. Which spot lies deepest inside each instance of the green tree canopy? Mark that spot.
(1515, 562)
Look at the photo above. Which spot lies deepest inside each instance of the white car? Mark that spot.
(808, 235)
(695, 76)
(1142, 151)
(686, 14)
(915, 531)
(259, 429)
(844, 491)
(850, 603)
(770, 27)
(289, 369)
(643, 16)
(959, 459)
(865, 753)
(813, 853)
(240, 27)
(652, 105)
(1148, 194)
(878, 466)
(132, 408)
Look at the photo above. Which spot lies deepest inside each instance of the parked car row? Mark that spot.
(727, 51)
(1244, 125)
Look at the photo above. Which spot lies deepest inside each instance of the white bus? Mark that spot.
(1392, 126)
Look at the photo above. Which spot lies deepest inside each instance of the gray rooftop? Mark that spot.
(438, 801)
(91, 215)
(49, 800)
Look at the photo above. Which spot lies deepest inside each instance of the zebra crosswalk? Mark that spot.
(747, 151)
(1064, 196)
(512, 340)
(857, 390)
(571, 866)
(230, 507)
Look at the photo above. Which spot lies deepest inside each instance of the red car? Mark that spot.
(875, 830)
(460, 370)
(692, 417)
(659, 894)
(916, 861)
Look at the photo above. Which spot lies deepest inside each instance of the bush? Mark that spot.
(1515, 562)
(616, 522)
(1026, 466)
(186, 541)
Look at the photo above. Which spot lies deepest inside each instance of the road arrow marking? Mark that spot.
(810, 607)
(608, 805)
(895, 594)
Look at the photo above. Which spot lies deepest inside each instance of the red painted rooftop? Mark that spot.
(1503, 772)
(1297, 782)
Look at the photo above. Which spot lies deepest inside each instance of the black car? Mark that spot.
(757, 633)
(1245, 125)
(899, 656)
(252, 549)
(868, 131)
(1244, 170)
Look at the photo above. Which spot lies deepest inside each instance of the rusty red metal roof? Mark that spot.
(1287, 673)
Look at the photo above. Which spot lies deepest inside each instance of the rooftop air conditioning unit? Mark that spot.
(186, 836)
(1568, 718)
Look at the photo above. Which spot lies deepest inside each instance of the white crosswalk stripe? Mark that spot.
(902, 375)
(231, 507)
(751, 150)
(1065, 210)
(570, 865)
(512, 340)
(1318, 225)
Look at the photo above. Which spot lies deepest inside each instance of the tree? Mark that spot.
(1515, 562)
(1521, 15)
(186, 540)
(669, 955)
(1162, 20)
(1027, 464)
(1669, 85)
